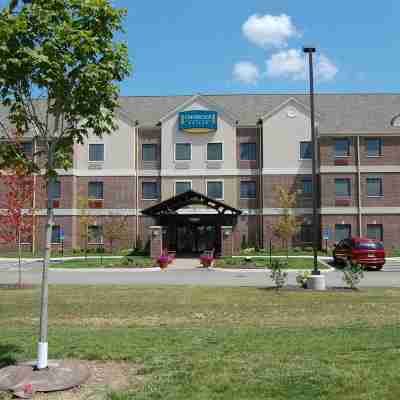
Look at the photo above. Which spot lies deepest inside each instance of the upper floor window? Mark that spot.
(374, 147)
(150, 191)
(95, 190)
(182, 187)
(149, 152)
(96, 152)
(95, 234)
(248, 190)
(343, 187)
(307, 185)
(214, 152)
(183, 152)
(305, 150)
(215, 189)
(342, 147)
(55, 190)
(374, 187)
(248, 151)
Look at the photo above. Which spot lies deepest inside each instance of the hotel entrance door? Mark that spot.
(195, 239)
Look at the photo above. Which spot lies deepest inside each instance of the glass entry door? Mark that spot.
(195, 239)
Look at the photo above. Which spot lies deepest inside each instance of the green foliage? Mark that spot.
(244, 242)
(277, 274)
(63, 52)
(352, 275)
(302, 277)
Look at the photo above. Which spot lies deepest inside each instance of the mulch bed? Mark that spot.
(293, 288)
(15, 286)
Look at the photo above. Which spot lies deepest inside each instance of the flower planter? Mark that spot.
(163, 265)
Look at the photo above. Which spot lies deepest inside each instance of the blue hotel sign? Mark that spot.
(198, 121)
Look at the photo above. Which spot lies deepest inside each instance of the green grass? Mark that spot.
(220, 343)
(129, 262)
(294, 263)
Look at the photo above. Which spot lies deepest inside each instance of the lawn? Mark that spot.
(126, 262)
(220, 343)
(293, 263)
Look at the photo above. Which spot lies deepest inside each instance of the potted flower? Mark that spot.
(206, 261)
(163, 261)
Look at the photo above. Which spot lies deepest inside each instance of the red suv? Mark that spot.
(367, 252)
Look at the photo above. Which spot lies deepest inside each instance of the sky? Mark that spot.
(252, 46)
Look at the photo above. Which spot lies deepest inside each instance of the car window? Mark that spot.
(369, 246)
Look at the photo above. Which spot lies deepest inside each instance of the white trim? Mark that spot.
(96, 172)
(182, 181)
(280, 211)
(291, 100)
(208, 172)
(287, 171)
(149, 172)
(223, 188)
(338, 169)
(191, 155)
(223, 152)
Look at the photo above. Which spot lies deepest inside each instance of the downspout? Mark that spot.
(136, 152)
(260, 183)
(359, 203)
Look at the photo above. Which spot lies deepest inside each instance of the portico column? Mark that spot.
(227, 248)
(156, 241)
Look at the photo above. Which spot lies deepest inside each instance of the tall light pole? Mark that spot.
(316, 229)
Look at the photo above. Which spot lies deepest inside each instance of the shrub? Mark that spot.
(244, 242)
(308, 249)
(249, 250)
(126, 252)
(277, 274)
(77, 250)
(301, 278)
(352, 275)
(296, 249)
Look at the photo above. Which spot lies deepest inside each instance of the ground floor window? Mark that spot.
(182, 187)
(56, 234)
(95, 234)
(215, 189)
(342, 231)
(375, 231)
(150, 190)
(248, 190)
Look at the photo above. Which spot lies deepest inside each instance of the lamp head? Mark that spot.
(309, 49)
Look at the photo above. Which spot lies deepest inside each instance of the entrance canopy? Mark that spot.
(189, 198)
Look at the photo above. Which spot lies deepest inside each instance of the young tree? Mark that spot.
(60, 68)
(17, 219)
(288, 225)
(115, 228)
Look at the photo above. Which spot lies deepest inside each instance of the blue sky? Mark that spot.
(253, 46)
(185, 47)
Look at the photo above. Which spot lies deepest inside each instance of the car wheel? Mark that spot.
(378, 267)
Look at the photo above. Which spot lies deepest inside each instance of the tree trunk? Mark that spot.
(19, 259)
(42, 361)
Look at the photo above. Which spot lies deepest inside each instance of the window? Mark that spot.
(95, 190)
(183, 152)
(374, 187)
(343, 187)
(375, 231)
(150, 190)
(182, 187)
(306, 233)
(27, 148)
(248, 190)
(95, 234)
(215, 190)
(342, 148)
(214, 152)
(342, 231)
(56, 234)
(96, 152)
(149, 152)
(374, 147)
(307, 185)
(305, 150)
(55, 190)
(248, 151)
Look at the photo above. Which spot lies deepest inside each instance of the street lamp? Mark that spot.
(316, 231)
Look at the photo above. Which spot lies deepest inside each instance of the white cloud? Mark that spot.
(246, 72)
(269, 30)
(292, 64)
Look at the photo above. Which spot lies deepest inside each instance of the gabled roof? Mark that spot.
(172, 205)
(289, 102)
(337, 112)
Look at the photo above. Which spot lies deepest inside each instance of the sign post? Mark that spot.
(62, 241)
(326, 235)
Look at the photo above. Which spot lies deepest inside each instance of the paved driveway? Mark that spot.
(388, 277)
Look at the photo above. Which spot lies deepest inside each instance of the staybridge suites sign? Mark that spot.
(198, 121)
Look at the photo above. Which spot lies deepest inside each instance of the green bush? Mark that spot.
(277, 274)
(244, 242)
(352, 275)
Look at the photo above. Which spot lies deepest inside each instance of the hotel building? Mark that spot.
(201, 171)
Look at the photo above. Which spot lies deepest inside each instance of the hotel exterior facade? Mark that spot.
(228, 153)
